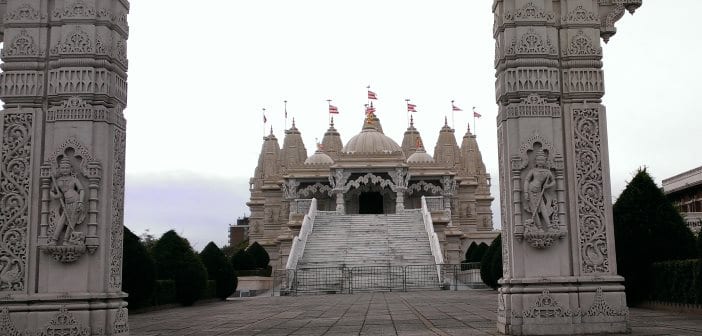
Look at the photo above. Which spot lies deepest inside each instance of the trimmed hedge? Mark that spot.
(138, 275)
(219, 269)
(164, 293)
(677, 281)
(176, 260)
(470, 251)
(243, 260)
(259, 254)
(491, 265)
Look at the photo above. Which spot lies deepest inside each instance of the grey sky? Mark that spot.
(200, 74)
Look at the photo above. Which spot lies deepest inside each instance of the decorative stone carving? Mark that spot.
(580, 15)
(289, 188)
(613, 10)
(121, 325)
(528, 79)
(424, 186)
(532, 43)
(116, 228)
(370, 178)
(546, 307)
(6, 325)
(64, 324)
(537, 167)
(76, 42)
(315, 189)
(21, 83)
(589, 193)
(76, 10)
(529, 12)
(581, 45)
(532, 106)
(601, 308)
(22, 45)
(15, 186)
(578, 81)
(400, 177)
(75, 108)
(70, 180)
(449, 185)
(25, 13)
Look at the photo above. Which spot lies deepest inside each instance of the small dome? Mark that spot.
(319, 157)
(420, 156)
(371, 141)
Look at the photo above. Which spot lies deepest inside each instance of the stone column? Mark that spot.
(64, 85)
(400, 201)
(558, 245)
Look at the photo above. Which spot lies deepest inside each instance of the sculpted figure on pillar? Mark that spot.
(68, 192)
(539, 192)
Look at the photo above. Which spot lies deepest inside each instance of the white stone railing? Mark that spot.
(693, 220)
(434, 203)
(299, 242)
(300, 206)
(433, 238)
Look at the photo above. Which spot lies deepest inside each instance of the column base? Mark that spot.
(58, 317)
(562, 306)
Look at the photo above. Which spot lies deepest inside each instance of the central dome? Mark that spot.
(370, 141)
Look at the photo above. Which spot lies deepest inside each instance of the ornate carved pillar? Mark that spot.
(558, 247)
(64, 85)
(338, 181)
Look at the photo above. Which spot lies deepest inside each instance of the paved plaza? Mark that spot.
(411, 313)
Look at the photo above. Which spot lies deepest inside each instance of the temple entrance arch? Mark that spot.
(370, 203)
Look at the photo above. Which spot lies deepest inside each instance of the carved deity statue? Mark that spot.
(70, 194)
(539, 186)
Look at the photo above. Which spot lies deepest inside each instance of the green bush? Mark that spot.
(676, 281)
(164, 293)
(259, 254)
(211, 290)
(219, 270)
(139, 273)
(471, 251)
(480, 252)
(491, 264)
(243, 260)
(647, 229)
(176, 260)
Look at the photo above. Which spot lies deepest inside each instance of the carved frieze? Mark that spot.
(400, 176)
(25, 13)
(531, 43)
(587, 80)
(22, 45)
(65, 324)
(581, 45)
(116, 226)
(589, 190)
(532, 106)
(546, 307)
(70, 180)
(315, 189)
(87, 80)
(426, 187)
(611, 11)
(529, 13)
(6, 325)
(600, 307)
(580, 16)
(21, 84)
(370, 178)
(539, 172)
(528, 79)
(79, 42)
(121, 324)
(16, 164)
(75, 109)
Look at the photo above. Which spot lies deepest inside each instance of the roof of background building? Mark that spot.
(682, 181)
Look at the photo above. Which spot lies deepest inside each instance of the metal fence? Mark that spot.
(348, 280)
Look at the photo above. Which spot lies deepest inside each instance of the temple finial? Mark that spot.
(331, 122)
(446, 121)
(271, 129)
(293, 125)
(411, 121)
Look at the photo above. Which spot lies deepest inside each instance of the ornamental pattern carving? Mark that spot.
(507, 236)
(23, 14)
(400, 177)
(16, 154)
(370, 178)
(581, 45)
(529, 79)
(289, 188)
(21, 83)
(532, 106)
(424, 186)
(64, 324)
(6, 325)
(116, 229)
(583, 81)
(78, 42)
(540, 176)
(121, 325)
(70, 179)
(614, 11)
(589, 193)
(580, 15)
(22, 45)
(529, 12)
(315, 189)
(531, 43)
(80, 10)
(546, 307)
(75, 108)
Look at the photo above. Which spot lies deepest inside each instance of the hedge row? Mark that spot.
(677, 281)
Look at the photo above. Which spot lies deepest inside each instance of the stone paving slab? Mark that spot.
(442, 313)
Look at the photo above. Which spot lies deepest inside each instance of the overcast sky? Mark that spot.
(199, 75)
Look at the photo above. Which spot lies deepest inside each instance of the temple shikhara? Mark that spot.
(368, 198)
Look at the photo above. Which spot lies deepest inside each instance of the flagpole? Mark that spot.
(475, 130)
(264, 121)
(408, 112)
(286, 113)
(328, 110)
(453, 116)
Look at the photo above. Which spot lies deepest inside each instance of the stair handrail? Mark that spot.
(299, 242)
(433, 238)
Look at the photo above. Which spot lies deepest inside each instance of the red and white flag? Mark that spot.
(372, 95)
(411, 107)
(455, 108)
(265, 120)
(370, 109)
(476, 114)
(333, 109)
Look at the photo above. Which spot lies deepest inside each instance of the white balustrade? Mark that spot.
(433, 238)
